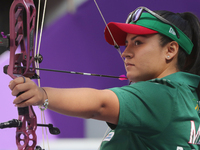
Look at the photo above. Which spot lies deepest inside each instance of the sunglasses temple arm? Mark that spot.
(163, 20)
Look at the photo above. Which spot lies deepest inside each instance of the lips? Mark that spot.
(129, 64)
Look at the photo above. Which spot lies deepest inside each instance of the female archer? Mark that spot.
(160, 110)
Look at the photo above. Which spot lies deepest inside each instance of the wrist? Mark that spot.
(45, 103)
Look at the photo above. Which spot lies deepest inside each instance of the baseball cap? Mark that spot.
(146, 24)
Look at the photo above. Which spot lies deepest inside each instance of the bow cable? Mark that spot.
(115, 43)
(37, 50)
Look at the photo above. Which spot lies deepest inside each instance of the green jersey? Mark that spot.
(159, 114)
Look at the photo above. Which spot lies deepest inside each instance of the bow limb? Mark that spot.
(26, 138)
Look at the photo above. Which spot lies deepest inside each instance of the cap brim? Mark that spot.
(120, 30)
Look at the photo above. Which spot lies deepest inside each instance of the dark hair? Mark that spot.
(188, 23)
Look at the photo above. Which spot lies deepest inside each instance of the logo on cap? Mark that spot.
(171, 30)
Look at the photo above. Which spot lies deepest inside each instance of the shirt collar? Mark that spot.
(183, 77)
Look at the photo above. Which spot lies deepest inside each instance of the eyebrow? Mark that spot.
(135, 37)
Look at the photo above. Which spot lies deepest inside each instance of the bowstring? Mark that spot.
(115, 43)
(37, 52)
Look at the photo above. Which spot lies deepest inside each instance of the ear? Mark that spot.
(171, 50)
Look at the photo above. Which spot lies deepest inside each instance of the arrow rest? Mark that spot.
(18, 70)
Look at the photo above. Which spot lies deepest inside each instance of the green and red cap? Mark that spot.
(147, 24)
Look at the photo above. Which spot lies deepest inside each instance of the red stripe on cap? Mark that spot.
(120, 30)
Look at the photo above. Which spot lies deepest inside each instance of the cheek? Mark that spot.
(144, 60)
(148, 62)
(152, 54)
(152, 65)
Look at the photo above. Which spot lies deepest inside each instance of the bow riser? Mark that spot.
(26, 138)
(26, 57)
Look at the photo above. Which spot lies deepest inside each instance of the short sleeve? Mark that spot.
(145, 107)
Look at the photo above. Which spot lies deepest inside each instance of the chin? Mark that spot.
(135, 79)
(132, 78)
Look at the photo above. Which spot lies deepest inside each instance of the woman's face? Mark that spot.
(144, 58)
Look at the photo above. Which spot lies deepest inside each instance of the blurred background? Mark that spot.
(73, 39)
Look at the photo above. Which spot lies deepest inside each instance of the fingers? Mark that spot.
(25, 99)
(17, 85)
(27, 92)
(18, 81)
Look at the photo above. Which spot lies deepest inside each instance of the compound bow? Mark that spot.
(23, 64)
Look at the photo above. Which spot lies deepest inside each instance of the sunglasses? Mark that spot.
(135, 16)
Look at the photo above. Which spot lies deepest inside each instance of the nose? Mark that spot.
(127, 53)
